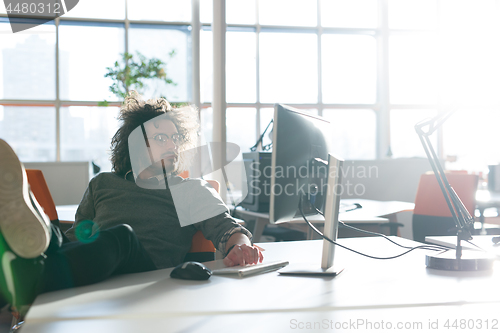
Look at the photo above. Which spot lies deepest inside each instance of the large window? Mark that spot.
(27, 63)
(85, 50)
(372, 67)
(145, 39)
(52, 76)
(444, 55)
(31, 130)
(320, 56)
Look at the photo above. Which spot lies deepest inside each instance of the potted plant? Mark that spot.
(134, 72)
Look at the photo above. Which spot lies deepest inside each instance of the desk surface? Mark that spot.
(66, 213)
(397, 290)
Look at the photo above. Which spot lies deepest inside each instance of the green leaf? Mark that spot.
(135, 72)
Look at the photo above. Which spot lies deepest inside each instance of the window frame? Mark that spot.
(382, 106)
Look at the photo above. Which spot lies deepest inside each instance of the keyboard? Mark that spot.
(242, 271)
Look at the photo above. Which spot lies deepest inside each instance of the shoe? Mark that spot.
(23, 224)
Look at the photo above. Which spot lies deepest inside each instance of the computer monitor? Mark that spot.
(304, 171)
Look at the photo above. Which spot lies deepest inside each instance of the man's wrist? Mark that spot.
(230, 248)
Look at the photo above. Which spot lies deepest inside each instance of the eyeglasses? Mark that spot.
(162, 138)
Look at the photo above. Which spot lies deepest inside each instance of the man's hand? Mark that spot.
(243, 254)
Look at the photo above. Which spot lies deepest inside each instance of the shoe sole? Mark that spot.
(23, 224)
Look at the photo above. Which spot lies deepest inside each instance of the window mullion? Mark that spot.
(383, 119)
(58, 98)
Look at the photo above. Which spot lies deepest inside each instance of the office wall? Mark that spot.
(386, 180)
(67, 181)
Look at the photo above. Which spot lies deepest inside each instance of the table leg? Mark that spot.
(258, 229)
(393, 224)
(481, 219)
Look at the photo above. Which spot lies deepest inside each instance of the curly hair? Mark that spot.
(135, 111)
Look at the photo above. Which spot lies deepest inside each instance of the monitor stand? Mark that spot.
(310, 270)
(332, 204)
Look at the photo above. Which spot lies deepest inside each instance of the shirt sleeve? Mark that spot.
(205, 204)
(220, 228)
(195, 201)
(222, 245)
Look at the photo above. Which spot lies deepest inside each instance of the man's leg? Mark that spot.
(24, 226)
(25, 234)
(115, 251)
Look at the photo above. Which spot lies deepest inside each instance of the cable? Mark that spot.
(261, 138)
(480, 248)
(345, 247)
(430, 247)
(232, 212)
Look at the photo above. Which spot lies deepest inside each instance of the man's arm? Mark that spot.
(85, 211)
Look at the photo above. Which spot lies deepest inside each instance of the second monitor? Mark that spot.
(305, 176)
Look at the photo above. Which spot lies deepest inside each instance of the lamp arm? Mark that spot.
(436, 168)
(461, 216)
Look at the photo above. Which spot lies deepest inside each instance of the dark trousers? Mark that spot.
(71, 264)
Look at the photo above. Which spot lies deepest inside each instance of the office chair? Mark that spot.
(431, 216)
(41, 191)
(201, 248)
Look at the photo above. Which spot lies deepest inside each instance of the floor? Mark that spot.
(5, 320)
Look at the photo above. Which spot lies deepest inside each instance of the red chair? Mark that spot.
(40, 190)
(431, 216)
(201, 248)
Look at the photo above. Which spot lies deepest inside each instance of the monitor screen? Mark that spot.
(305, 173)
(301, 143)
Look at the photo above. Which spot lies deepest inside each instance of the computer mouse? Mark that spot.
(191, 270)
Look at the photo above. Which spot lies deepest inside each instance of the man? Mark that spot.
(127, 221)
(149, 149)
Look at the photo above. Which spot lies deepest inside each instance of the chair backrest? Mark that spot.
(430, 200)
(200, 243)
(40, 190)
(431, 216)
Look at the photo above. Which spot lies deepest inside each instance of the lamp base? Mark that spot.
(469, 261)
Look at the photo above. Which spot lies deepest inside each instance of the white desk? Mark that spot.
(486, 199)
(402, 290)
(66, 213)
(372, 212)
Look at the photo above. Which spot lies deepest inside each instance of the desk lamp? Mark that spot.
(455, 260)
